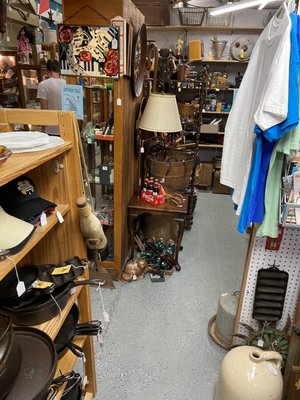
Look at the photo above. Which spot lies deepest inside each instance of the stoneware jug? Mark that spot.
(249, 373)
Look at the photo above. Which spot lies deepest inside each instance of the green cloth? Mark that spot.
(287, 145)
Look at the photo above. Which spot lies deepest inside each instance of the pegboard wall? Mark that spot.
(167, 39)
(288, 259)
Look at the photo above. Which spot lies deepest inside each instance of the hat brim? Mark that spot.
(30, 210)
(14, 233)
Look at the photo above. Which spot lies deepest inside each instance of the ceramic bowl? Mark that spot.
(4, 154)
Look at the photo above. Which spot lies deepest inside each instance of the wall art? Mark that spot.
(89, 50)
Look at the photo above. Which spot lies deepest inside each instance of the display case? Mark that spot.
(29, 78)
(9, 85)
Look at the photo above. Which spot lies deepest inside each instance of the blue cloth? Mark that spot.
(253, 205)
(252, 179)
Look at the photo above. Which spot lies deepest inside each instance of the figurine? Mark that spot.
(25, 40)
(179, 47)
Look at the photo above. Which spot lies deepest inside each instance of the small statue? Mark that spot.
(179, 47)
(25, 40)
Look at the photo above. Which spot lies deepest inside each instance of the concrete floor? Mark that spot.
(156, 345)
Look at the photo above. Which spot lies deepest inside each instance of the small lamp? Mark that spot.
(161, 114)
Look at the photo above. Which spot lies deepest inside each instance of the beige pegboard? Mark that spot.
(288, 259)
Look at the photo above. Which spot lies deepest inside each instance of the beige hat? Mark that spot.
(14, 233)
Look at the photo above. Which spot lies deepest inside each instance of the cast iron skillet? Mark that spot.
(10, 356)
(29, 274)
(36, 372)
(48, 306)
(72, 390)
(70, 329)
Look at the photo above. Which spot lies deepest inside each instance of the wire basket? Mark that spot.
(220, 20)
(192, 15)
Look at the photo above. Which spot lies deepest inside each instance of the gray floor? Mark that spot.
(156, 345)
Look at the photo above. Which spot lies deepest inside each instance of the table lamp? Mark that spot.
(161, 114)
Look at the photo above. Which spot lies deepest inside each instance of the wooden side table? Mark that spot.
(137, 207)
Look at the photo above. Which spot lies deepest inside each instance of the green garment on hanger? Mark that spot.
(287, 145)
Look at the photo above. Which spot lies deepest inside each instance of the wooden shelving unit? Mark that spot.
(54, 242)
(240, 29)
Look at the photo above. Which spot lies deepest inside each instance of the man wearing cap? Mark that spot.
(49, 92)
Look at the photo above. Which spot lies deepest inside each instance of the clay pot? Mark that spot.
(249, 373)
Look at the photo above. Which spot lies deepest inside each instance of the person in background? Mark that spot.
(49, 92)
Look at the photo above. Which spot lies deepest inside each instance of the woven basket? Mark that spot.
(186, 109)
(176, 169)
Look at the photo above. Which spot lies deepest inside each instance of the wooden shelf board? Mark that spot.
(21, 163)
(109, 138)
(211, 133)
(215, 112)
(66, 363)
(53, 326)
(250, 29)
(221, 61)
(6, 266)
(88, 396)
(106, 264)
(218, 146)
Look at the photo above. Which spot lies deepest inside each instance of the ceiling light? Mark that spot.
(263, 4)
(235, 7)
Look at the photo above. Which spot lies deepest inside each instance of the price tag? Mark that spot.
(134, 278)
(100, 338)
(43, 219)
(105, 316)
(59, 216)
(42, 284)
(61, 270)
(21, 288)
(105, 168)
(119, 101)
(260, 343)
(84, 382)
(142, 150)
(114, 44)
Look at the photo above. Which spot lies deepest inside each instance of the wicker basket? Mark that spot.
(192, 15)
(176, 169)
(186, 109)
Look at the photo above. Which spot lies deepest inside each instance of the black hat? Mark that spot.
(20, 198)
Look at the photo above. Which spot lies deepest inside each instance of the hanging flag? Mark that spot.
(44, 6)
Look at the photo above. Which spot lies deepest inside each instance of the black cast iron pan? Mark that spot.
(72, 328)
(270, 293)
(37, 367)
(29, 274)
(10, 356)
(48, 306)
(72, 390)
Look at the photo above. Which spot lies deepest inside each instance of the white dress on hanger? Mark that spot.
(262, 99)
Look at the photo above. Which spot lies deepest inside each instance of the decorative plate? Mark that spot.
(139, 60)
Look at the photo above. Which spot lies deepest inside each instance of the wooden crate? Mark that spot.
(203, 175)
(217, 187)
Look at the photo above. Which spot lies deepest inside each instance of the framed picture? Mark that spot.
(89, 50)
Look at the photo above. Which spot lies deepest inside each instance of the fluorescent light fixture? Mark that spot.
(263, 4)
(235, 7)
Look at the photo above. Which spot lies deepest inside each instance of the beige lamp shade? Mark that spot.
(161, 114)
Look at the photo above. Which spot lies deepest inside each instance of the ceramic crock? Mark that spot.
(249, 373)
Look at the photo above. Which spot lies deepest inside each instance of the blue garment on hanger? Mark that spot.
(253, 205)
